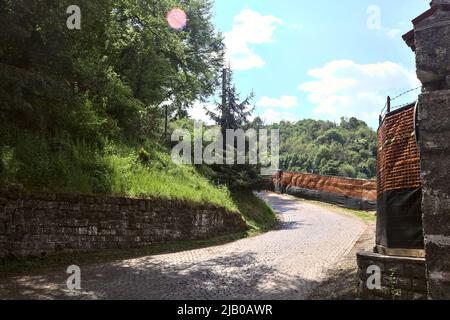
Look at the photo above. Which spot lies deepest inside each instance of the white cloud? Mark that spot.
(198, 112)
(284, 102)
(345, 88)
(374, 22)
(295, 26)
(393, 33)
(250, 28)
(270, 116)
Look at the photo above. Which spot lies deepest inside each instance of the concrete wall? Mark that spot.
(46, 224)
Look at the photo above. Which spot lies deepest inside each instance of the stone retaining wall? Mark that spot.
(46, 224)
(431, 43)
(401, 278)
(434, 137)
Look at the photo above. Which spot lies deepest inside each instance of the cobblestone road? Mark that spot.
(283, 264)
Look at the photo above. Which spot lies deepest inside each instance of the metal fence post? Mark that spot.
(388, 104)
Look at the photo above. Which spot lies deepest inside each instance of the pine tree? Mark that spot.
(234, 114)
(230, 113)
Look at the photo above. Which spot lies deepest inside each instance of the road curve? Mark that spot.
(287, 263)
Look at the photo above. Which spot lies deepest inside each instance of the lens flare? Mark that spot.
(177, 18)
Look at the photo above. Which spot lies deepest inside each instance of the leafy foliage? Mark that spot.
(81, 109)
(110, 78)
(347, 149)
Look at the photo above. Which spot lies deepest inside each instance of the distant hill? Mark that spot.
(347, 149)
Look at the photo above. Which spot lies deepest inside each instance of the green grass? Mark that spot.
(58, 164)
(162, 179)
(366, 216)
(363, 215)
(258, 215)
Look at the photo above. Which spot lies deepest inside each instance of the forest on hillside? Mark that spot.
(91, 110)
(346, 149)
(88, 110)
(112, 78)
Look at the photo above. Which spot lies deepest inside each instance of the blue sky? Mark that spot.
(320, 59)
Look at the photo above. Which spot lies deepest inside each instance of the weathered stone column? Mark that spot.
(430, 40)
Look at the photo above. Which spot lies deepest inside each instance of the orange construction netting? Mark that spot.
(356, 188)
(398, 154)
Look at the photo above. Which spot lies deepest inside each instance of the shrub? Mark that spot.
(144, 156)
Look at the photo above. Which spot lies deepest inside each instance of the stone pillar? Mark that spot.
(430, 40)
(434, 144)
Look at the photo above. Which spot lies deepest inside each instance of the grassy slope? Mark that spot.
(134, 169)
(162, 179)
(257, 213)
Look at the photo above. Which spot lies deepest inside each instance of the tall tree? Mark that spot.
(110, 77)
(231, 113)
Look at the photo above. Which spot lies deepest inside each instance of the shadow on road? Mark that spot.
(234, 272)
(237, 276)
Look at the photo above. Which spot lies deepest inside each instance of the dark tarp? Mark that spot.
(399, 221)
(341, 200)
(278, 187)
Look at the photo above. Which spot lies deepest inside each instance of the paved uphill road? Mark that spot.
(283, 264)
